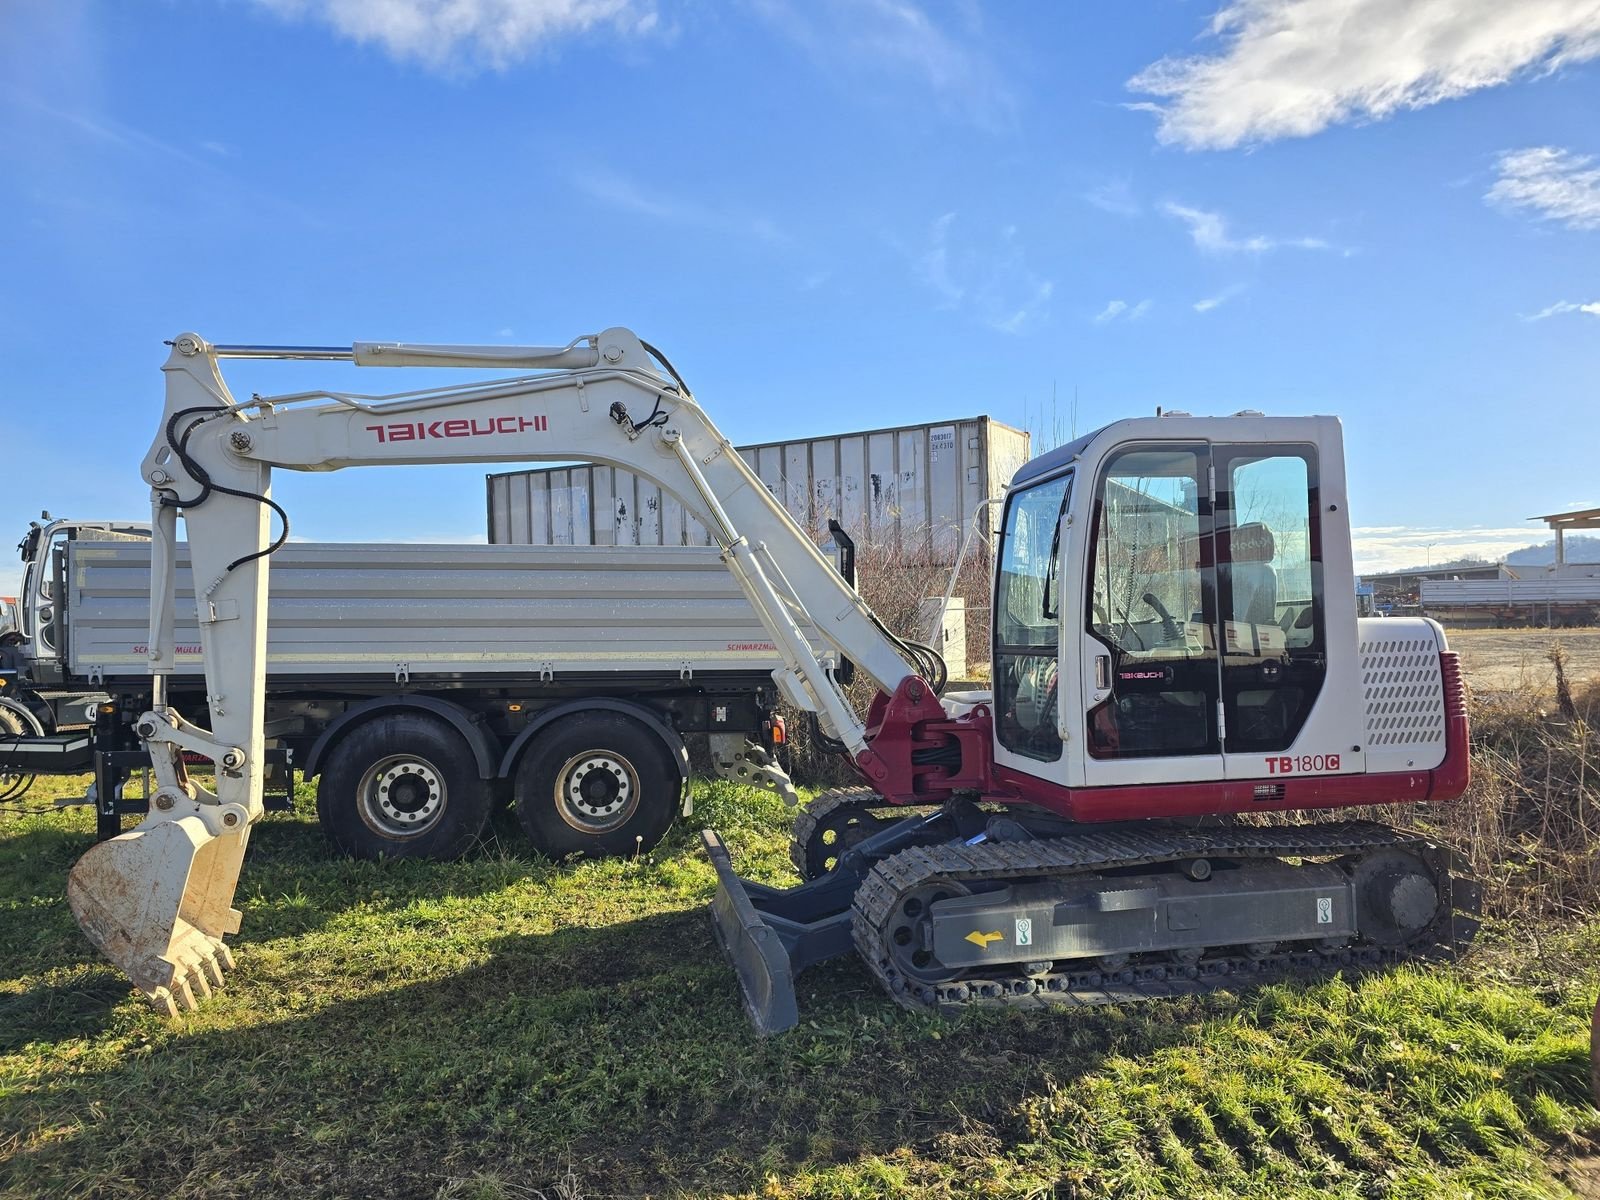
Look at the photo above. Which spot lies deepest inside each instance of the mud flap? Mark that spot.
(770, 935)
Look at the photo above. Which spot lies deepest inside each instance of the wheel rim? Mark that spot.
(911, 934)
(402, 796)
(597, 791)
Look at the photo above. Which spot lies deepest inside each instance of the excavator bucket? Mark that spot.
(157, 901)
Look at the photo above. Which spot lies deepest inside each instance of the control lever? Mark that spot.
(1169, 624)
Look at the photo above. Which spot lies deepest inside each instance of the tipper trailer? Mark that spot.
(417, 683)
(1175, 648)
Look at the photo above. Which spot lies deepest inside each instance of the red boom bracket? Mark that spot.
(956, 753)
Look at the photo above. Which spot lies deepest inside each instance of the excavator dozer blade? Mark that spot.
(755, 951)
(770, 935)
(157, 901)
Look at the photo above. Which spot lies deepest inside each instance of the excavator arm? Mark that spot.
(158, 899)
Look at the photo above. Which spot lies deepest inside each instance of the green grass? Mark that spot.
(503, 1026)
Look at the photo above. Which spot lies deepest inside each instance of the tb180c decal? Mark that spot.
(1304, 764)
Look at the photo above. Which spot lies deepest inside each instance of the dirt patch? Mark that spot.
(1499, 660)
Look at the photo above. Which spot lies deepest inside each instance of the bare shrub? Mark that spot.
(894, 582)
(1530, 820)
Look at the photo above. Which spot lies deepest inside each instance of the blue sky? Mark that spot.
(832, 214)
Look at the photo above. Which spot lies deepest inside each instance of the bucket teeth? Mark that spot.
(191, 979)
(182, 994)
(198, 983)
(212, 967)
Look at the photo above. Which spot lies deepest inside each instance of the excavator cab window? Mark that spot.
(1027, 631)
(1152, 605)
(1269, 581)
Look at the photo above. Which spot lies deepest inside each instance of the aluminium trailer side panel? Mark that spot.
(912, 488)
(1468, 592)
(361, 609)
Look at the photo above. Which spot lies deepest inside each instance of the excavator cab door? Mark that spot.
(1273, 623)
(1146, 631)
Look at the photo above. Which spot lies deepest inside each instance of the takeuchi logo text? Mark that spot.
(458, 427)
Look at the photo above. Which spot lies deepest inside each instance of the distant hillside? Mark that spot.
(1580, 548)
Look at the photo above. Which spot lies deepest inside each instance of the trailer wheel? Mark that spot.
(403, 785)
(597, 784)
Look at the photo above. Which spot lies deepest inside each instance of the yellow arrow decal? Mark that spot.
(982, 940)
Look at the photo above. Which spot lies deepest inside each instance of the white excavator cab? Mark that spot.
(1174, 604)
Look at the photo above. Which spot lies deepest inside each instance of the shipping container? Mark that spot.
(913, 489)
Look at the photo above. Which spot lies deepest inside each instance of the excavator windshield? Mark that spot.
(1027, 628)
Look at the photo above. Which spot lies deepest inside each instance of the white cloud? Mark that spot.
(1393, 547)
(1562, 307)
(1025, 309)
(933, 267)
(1552, 184)
(1121, 310)
(1210, 233)
(619, 192)
(460, 34)
(874, 39)
(1114, 197)
(1291, 68)
(987, 276)
(1208, 303)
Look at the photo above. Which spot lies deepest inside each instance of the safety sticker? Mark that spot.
(1024, 931)
(1324, 910)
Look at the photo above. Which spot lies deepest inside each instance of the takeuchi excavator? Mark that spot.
(1176, 655)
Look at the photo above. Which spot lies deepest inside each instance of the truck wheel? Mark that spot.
(403, 785)
(596, 784)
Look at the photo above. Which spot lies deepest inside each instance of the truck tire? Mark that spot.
(404, 785)
(597, 784)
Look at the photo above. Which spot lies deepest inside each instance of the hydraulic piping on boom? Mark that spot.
(1174, 636)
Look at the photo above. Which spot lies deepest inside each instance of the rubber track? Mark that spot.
(825, 803)
(1151, 977)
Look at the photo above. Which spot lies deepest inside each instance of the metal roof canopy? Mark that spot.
(1583, 518)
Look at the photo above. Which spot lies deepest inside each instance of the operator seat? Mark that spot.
(1255, 583)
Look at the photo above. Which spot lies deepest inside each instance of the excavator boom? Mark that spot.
(157, 900)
